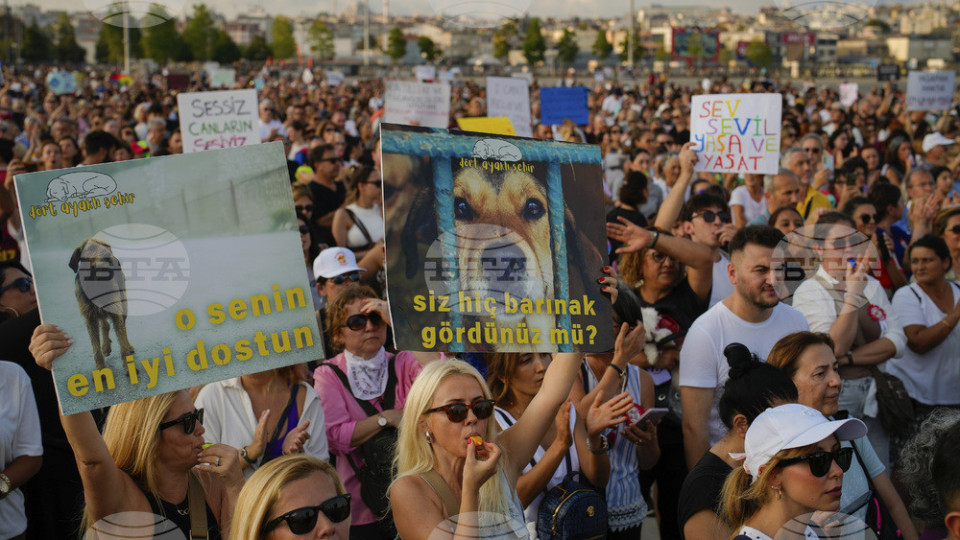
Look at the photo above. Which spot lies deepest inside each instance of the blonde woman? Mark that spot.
(150, 456)
(448, 444)
(292, 496)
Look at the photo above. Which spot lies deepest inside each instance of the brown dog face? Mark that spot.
(503, 234)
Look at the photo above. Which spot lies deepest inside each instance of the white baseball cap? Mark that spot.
(934, 140)
(792, 426)
(334, 261)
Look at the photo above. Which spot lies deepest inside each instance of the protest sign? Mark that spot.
(423, 104)
(214, 120)
(849, 93)
(930, 91)
(736, 132)
(888, 72)
(178, 81)
(493, 243)
(223, 77)
(62, 82)
(510, 97)
(334, 78)
(259, 83)
(496, 125)
(190, 265)
(560, 103)
(425, 73)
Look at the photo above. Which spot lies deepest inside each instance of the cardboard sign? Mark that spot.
(494, 243)
(560, 103)
(888, 72)
(178, 81)
(928, 91)
(510, 97)
(425, 73)
(736, 132)
(62, 82)
(223, 78)
(191, 265)
(334, 78)
(849, 93)
(214, 120)
(495, 125)
(414, 103)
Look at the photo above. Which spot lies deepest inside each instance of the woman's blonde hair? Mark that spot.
(262, 490)
(742, 497)
(414, 455)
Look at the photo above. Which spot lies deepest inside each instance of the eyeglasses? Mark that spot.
(867, 218)
(303, 520)
(352, 276)
(359, 322)
(189, 421)
(820, 462)
(329, 160)
(955, 230)
(304, 230)
(307, 209)
(457, 412)
(709, 215)
(812, 150)
(660, 257)
(377, 183)
(23, 284)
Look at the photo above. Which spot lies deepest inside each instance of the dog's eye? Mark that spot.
(461, 209)
(533, 209)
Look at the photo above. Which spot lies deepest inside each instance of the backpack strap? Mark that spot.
(198, 509)
(435, 481)
(389, 395)
(359, 224)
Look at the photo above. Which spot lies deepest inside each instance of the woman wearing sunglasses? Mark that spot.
(452, 463)
(363, 391)
(807, 358)
(17, 295)
(150, 457)
(887, 270)
(793, 466)
(290, 497)
(359, 224)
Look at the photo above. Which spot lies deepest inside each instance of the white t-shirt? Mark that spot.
(228, 418)
(932, 378)
(722, 287)
(751, 208)
(702, 363)
(267, 127)
(19, 436)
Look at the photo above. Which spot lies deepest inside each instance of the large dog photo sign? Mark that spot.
(168, 272)
(493, 243)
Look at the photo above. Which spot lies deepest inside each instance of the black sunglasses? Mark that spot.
(867, 218)
(303, 520)
(813, 150)
(189, 421)
(820, 462)
(955, 229)
(304, 209)
(304, 229)
(338, 280)
(457, 412)
(359, 322)
(840, 243)
(23, 284)
(330, 159)
(709, 215)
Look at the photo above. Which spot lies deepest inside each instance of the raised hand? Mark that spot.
(603, 414)
(296, 438)
(633, 236)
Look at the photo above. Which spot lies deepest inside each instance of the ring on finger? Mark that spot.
(218, 461)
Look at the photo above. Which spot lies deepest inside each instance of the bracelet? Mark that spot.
(619, 371)
(656, 236)
(604, 445)
(944, 322)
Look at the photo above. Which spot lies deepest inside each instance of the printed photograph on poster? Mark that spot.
(493, 243)
(736, 132)
(168, 272)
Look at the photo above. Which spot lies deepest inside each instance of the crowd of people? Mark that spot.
(807, 366)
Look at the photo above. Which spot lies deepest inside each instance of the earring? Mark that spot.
(429, 438)
(779, 492)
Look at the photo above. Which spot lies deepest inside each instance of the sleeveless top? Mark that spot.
(372, 219)
(173, 514)
(493, 525)
(276, 450)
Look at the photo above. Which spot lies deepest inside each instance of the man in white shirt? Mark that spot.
(751, 315)
(270, 127)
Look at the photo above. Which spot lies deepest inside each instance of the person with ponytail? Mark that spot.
(793, 466)
(753, 387)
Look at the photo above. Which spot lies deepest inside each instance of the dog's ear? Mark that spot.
(421, 225)
(589, 261)
(75, 258)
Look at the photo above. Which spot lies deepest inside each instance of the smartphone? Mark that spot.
(850, 179)
(653, 415)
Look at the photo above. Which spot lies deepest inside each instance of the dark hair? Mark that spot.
(699, 203)
(836, 135)
(752, 387)
(852, 164)
(6, 150)
(851, 206)
(787, 351)
(316, 154)
(936, 171)
(833, 218)
(933, 243)
(946, 468)
(763, 235)
(5, 265)
(776, 214)
(718, 191)
(631, 192)
(883, 195)
(97, 140)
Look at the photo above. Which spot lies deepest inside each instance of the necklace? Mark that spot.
(184, 511)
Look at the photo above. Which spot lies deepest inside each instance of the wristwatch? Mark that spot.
(243, 454)
(5, 485)
(381, 420)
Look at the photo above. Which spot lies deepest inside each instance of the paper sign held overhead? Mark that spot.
(560, 103)
(214, 120)
(930, 91)
(413, 103)
(510, 97)
(736, 132)
(849, 93)
(223, 78)
(496, 125)
(425, 73)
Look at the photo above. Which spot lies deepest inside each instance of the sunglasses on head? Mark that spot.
(820, 462)
(457, 412)
(303, 520)
(359, 322)
(339, 280)
(304, 209)
(709, 215)
(23, 284)
(189, 421)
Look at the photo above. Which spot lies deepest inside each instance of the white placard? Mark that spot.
(446, 75)
(334, 78)
(930, 91)
(213, 120)
(849, 93)
(736, 132)
(414, 103)
(510, 97)
(223, 77)
(425, 73)
(307, 76)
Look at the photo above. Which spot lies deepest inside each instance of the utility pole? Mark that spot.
(126, 37)
(631, 34)
(366, 33)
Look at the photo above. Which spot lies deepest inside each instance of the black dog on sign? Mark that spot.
(102, 296)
